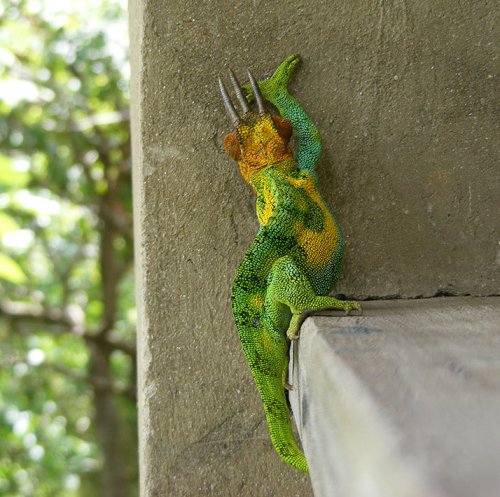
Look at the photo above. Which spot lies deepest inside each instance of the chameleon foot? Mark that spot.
(293, 332)
(277, 84)
(283, 73)
(348, 312)
(350, 305)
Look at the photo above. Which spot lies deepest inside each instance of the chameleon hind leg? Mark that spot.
(288, 285)
(275, 91)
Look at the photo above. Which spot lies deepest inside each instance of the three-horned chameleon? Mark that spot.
(296, 257)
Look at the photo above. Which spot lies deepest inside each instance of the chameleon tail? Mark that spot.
(268, 360)
(280, 427)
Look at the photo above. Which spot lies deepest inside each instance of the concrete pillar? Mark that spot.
(403, 95)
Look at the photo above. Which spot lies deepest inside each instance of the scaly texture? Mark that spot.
(296, 257)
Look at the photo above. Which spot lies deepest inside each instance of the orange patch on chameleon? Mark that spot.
(261, 146)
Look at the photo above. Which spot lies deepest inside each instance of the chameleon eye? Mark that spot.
(232, 145)
(283, 126)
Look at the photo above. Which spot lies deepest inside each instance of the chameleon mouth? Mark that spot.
(228, 104)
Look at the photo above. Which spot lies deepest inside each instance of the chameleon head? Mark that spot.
(258, 139)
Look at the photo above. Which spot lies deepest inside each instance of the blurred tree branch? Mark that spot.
(59, 321)
(73, 129)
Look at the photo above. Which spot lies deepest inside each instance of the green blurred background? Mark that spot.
(67, 316)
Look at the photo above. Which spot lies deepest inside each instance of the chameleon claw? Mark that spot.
(228, 104)
(239, 93)
(288, 387)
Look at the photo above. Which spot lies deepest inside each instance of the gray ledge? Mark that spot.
(402, 401)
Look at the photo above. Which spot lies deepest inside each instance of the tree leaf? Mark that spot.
(11, 271)
(9, 177)
(7, 224)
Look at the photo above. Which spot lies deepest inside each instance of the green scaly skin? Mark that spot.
(292, 265)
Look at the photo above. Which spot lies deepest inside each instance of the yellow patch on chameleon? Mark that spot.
(319, 246)
(264, 214)
(257, 301)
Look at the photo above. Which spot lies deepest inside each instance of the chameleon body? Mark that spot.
(296, 257)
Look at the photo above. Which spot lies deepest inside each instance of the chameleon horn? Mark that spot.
(239, 93)
(228, 104)
(258, 97)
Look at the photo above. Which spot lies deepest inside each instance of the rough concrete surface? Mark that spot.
(403, 401)
(403, 94)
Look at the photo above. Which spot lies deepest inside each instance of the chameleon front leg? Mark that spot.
(275, 91)
(288, 285)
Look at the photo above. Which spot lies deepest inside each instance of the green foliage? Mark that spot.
(46, 441)
(66, 284)
(10, 270)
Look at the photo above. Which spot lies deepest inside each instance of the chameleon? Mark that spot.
(296, 257)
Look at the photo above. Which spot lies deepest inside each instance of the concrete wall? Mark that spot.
(403, 94)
